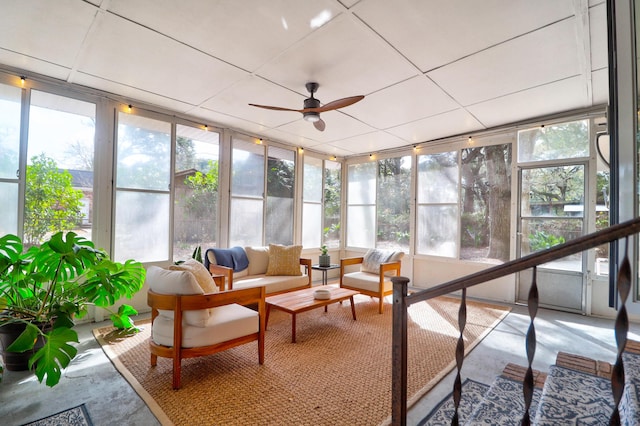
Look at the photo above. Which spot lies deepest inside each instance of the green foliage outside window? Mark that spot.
(51, 202)
(541, 240)
(204, 189)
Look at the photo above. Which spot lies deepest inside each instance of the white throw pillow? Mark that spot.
(203, 277)
(258, 260)
(373, 258)
(164, 281)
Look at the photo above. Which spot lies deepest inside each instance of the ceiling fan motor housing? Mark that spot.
(311, 103)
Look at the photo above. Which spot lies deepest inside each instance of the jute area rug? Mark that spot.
(338, 372)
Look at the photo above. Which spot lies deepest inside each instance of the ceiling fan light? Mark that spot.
(312, 117)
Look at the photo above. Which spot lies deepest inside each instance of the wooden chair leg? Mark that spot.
(154, 360)
(381, 307)
(176, 372)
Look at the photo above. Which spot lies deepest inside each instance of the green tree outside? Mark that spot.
(51, 202)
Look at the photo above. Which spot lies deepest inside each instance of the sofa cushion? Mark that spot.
(258, 260)
(272, 284)
(284, 260)
(203, 277)
(164, 281)
(225, 323)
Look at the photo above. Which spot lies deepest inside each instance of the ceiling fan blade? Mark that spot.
(276, 108)
(319, 125)
(340, 103)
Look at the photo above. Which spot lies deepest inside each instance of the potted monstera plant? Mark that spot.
(44, 288)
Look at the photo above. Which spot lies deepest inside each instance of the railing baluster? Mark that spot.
(399, 352)
(530, 342)
(621, 330)
(457, 384)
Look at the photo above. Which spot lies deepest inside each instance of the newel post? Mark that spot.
(399, 352)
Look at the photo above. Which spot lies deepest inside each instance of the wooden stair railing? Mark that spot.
(402, 300)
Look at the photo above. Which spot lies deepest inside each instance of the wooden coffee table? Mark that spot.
(298, 301)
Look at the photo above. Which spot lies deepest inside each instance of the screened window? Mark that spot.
(10, 103)
(143, 176)
(247, 194)
(59, 178)
(437, 209)
(280, 192)
(196, 191)
(312, 203)
(557, 141)
(332, 203)
(361, 205)
(394, 186)
(321, 214)
(485, 222)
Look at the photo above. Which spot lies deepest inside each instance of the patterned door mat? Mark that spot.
(76, 416)
(472, 394)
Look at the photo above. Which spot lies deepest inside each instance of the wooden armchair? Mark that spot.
(187, 323)
(374, 277)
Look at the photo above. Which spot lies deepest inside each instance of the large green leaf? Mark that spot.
(122, 319)
(26, 340)
(55, 355)
(10, 249)
(109, 281)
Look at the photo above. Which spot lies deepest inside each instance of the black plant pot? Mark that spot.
(324, 260)
(16, 361)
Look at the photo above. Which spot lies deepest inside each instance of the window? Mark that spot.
(332, 203)
(252, 211)
(59, 177)
(143, 177)
(247, 194)
(361, 207)
(379, 204)
(312, 203)
(196, 191)
(280, 191)
(321, 214)
(485, 222)
(557, 141)
(393, 208)
(437, 210)
(10, 104)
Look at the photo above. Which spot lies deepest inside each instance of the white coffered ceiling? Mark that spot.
(429, 69)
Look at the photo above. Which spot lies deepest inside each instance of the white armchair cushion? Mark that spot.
(164, 281)
(366, 281)
(225, 323)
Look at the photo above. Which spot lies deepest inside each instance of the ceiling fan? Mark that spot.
(312, 109)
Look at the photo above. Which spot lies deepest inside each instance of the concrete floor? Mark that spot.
(91, 378)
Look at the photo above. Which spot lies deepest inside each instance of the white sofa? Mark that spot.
(278, 268)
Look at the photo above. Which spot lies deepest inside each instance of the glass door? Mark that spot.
(552, 200)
